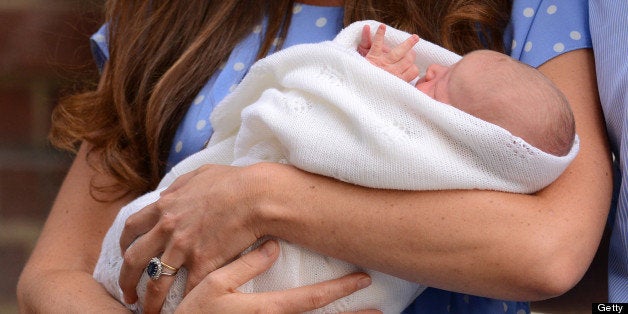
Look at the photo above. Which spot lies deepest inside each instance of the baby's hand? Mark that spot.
(398, 61)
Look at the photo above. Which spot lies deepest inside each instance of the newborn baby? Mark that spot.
(488, 85)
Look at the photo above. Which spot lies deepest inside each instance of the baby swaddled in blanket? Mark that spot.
(483, 121)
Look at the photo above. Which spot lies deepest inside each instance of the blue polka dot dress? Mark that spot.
(539, 30)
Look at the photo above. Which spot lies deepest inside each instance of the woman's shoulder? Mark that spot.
(543, 29)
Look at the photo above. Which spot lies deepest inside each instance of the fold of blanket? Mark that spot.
(325, 109)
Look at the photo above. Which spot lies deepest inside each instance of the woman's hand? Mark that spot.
(203, 220)
(217, 292)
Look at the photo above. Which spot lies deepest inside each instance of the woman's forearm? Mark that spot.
(58, 275)
(470, 242)
(494, 244)
(66, 292)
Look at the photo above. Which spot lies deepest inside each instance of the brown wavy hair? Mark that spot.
(162, 52)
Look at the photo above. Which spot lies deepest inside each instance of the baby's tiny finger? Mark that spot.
(404, 49)
(378, 47)
(365, 41)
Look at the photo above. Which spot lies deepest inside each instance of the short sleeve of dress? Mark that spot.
(543, 29)
(100, 50)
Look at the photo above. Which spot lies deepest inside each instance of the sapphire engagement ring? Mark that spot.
(156, 268)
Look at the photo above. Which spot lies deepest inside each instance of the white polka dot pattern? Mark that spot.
(321, 22)
(201, 124)
(238, 66)
(199, 99)
(544, 29)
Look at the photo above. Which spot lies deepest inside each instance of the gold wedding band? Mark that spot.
(168, 266)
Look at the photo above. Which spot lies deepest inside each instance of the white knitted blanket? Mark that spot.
(325, 109)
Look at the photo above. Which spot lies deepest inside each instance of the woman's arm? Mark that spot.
(58, 276)
(523, 247)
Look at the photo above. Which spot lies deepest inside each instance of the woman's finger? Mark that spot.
(180, 181)
(157, 289)
(138, 224)
(246, 267)
(315, 296)
(136, 258)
